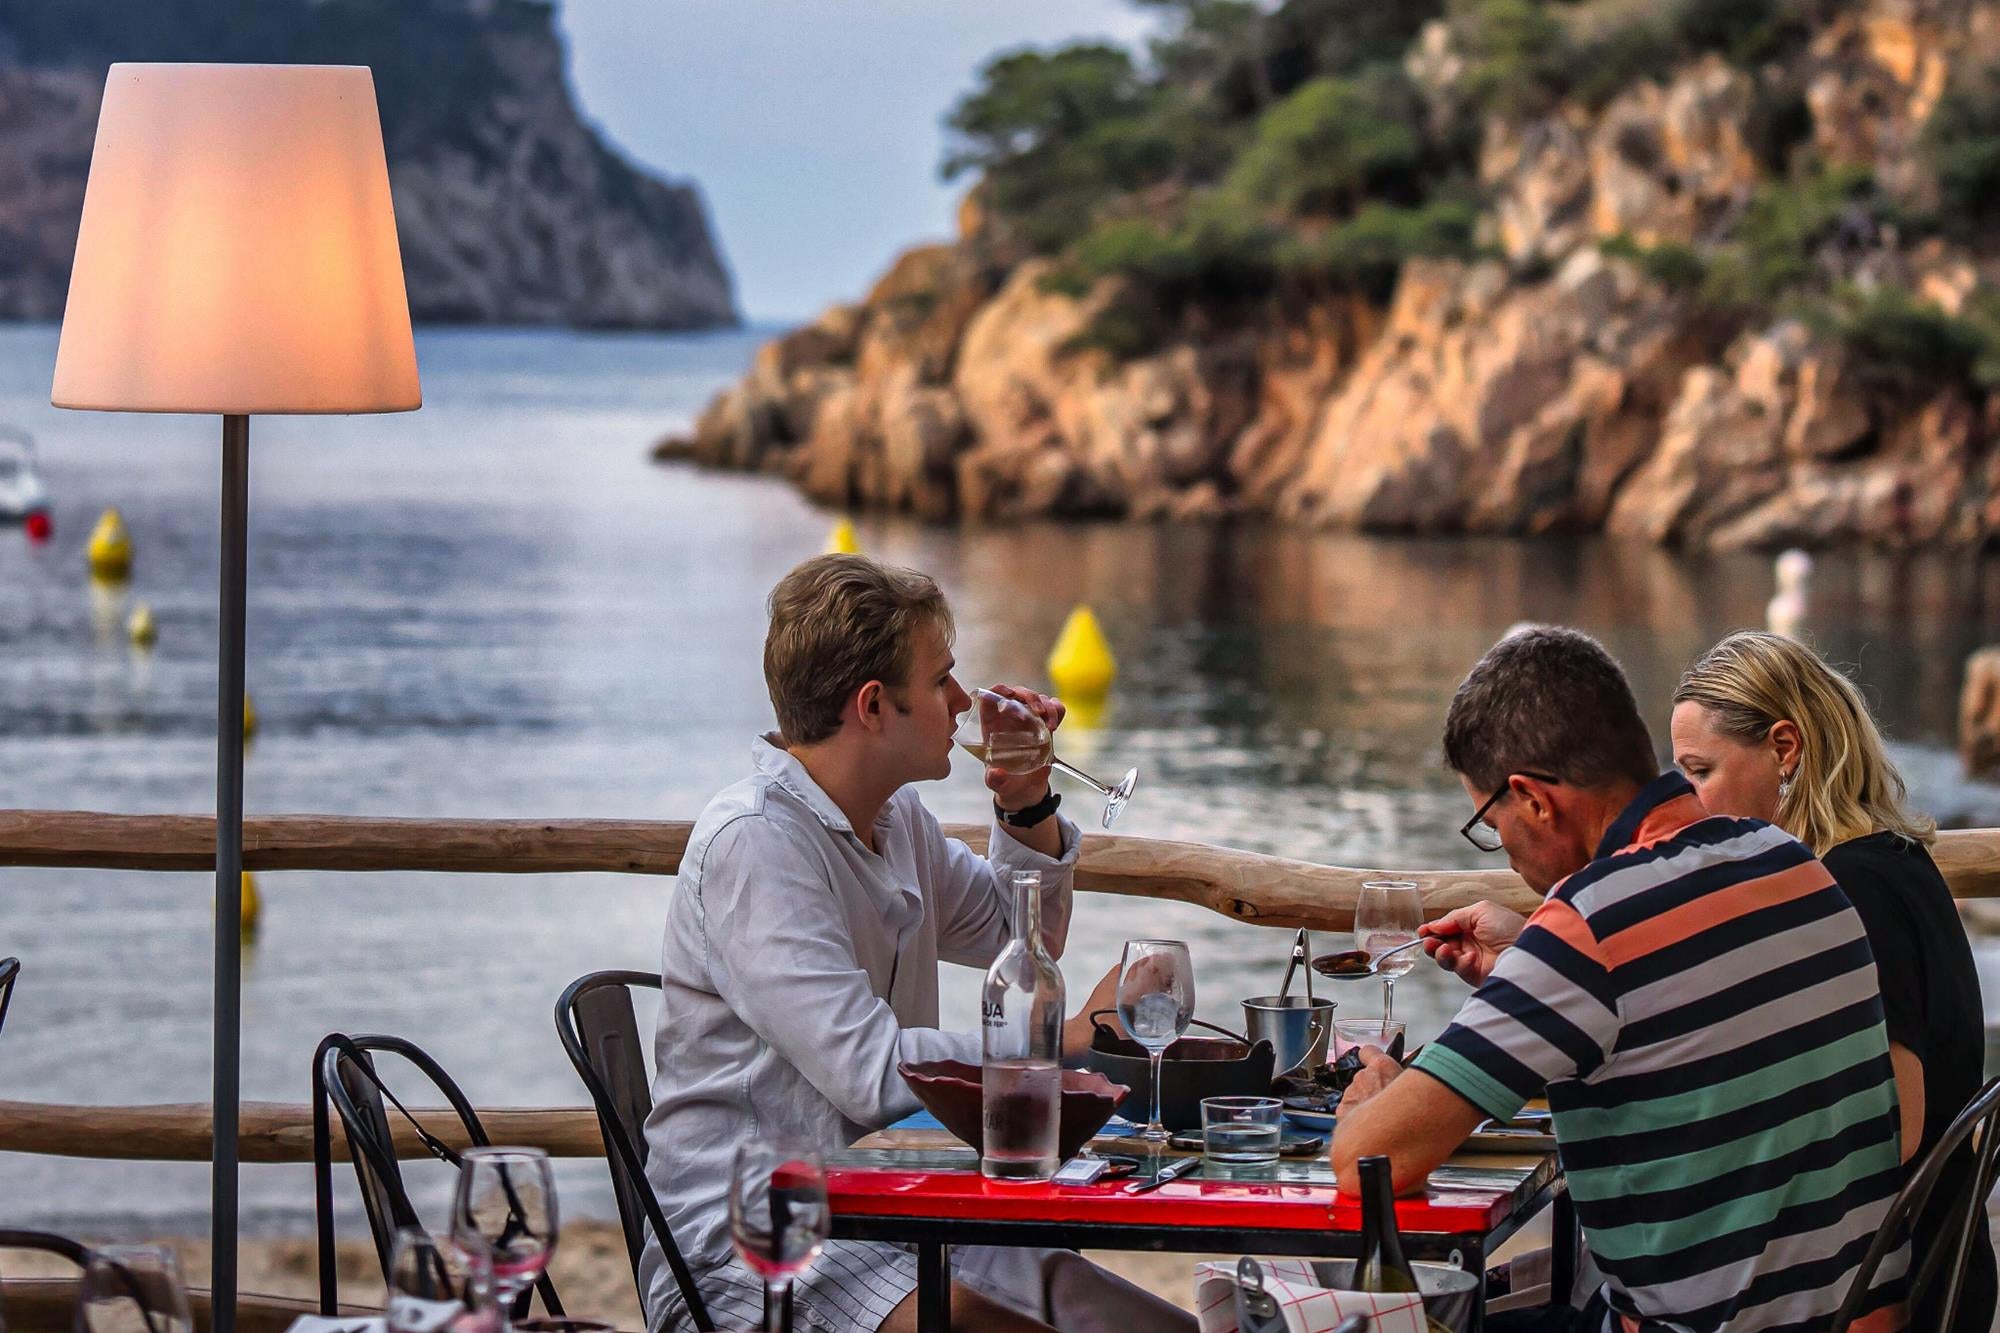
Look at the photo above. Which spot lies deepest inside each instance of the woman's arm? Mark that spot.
(1909, 1095)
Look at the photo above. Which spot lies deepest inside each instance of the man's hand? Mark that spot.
(1077, 1031)
(1016, 791)
(1378, 1071)
(1470, 940)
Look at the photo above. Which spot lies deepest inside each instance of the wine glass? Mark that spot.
(132, 1289)
(1155, 1002)
(506, 1208)
(778, 1215)
(1387, 914)
(1006, 734)
(435, 1288)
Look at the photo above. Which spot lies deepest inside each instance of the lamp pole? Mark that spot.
(229, 873)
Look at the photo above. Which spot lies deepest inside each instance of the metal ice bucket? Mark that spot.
(1449, 1293)
(1297, 1028)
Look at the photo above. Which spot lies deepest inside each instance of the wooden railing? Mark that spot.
(1244, 886)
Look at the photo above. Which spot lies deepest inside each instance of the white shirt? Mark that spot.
(799, 969)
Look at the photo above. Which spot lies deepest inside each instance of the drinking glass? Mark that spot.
(1155, 1002)
(1241, 1131)
(1351, 1032)
(132, 1289)
(1387, 914)
(436, 1288)
(506, 1208)
(778, 1215)
(1006, 734)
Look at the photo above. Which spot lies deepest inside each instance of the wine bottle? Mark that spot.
(1021, 1048)
(1383, 1266)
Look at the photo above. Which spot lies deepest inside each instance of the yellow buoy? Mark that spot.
(252, 904)
(1081, 663)
(110, 549)
(140, 626)
(841, 541)
(1082, 713)
(249, 717)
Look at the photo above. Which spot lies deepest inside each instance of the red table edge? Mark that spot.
(967, 1196)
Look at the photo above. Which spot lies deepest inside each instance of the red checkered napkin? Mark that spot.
(1308, 1307)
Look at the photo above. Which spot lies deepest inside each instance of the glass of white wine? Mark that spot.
(1007, 734)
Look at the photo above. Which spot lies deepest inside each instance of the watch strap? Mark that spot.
(1028, 815)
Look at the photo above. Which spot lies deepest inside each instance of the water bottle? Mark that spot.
(1021, 1013)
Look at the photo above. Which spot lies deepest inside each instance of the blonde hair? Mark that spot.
(838, 622)
(1845, 785)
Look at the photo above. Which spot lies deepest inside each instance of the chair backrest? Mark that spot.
(47, 1242)
(600, 1031)
(10, 968)
(345, 1078)
(1948, 1260)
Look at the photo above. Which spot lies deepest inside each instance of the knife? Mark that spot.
(1171, 1171)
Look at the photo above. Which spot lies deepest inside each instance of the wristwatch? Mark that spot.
(1028, 815)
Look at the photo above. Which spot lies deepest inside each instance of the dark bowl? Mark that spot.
(951, 1091)
(1191, 1069)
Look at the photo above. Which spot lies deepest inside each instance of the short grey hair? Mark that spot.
(1548, 700)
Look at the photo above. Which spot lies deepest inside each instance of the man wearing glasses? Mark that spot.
(1697, 998)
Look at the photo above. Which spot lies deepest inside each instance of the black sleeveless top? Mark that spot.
(1930, 995)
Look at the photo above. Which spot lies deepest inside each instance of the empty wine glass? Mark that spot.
(1386, 914)
(506, 1205)
(778, 1216)
(1007, 734)
(435, 1288)
(132, 1289)
(1156, 1003)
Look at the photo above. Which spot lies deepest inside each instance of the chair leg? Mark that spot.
(1975, 1207)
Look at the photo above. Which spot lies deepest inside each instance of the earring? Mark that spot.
(1784, 787)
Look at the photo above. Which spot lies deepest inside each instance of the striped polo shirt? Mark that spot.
(1701, 1005)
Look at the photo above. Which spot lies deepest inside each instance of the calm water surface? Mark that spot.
(497, 607)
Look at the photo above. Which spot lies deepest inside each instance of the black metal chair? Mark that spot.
(1949, 1259)
(48, 1242)
(344, 1076)
(600, 1032)
(10, 968)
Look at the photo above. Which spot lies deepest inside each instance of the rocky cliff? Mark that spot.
(510, 208)
(1727, 304)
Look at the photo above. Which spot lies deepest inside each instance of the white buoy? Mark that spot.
(1785, 613)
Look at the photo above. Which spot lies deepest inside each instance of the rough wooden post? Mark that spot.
(1979, 713)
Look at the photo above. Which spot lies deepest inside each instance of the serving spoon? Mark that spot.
(1356, 964)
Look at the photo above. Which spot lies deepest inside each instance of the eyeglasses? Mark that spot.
(1482, 834)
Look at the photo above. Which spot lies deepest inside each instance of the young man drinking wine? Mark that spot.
(815, 902)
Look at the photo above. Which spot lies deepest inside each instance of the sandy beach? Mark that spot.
(590, 1268)
(591, 1272)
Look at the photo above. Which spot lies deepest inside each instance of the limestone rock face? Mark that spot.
(1660, 163)
(1487, 407)
(1548, 387)
(1788, 450)
(510, 208)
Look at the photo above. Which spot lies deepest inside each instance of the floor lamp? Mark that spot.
(237, 255)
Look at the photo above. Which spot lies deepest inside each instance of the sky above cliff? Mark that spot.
(814, 127)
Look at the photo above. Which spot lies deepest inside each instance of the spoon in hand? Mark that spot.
(1356, 964)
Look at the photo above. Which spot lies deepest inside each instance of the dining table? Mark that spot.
(915, 1184)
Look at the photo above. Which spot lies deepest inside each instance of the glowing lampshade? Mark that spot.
(238, 251)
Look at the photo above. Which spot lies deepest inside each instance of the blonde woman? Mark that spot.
(1764, 729)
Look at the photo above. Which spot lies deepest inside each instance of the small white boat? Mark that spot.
(21, 490)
